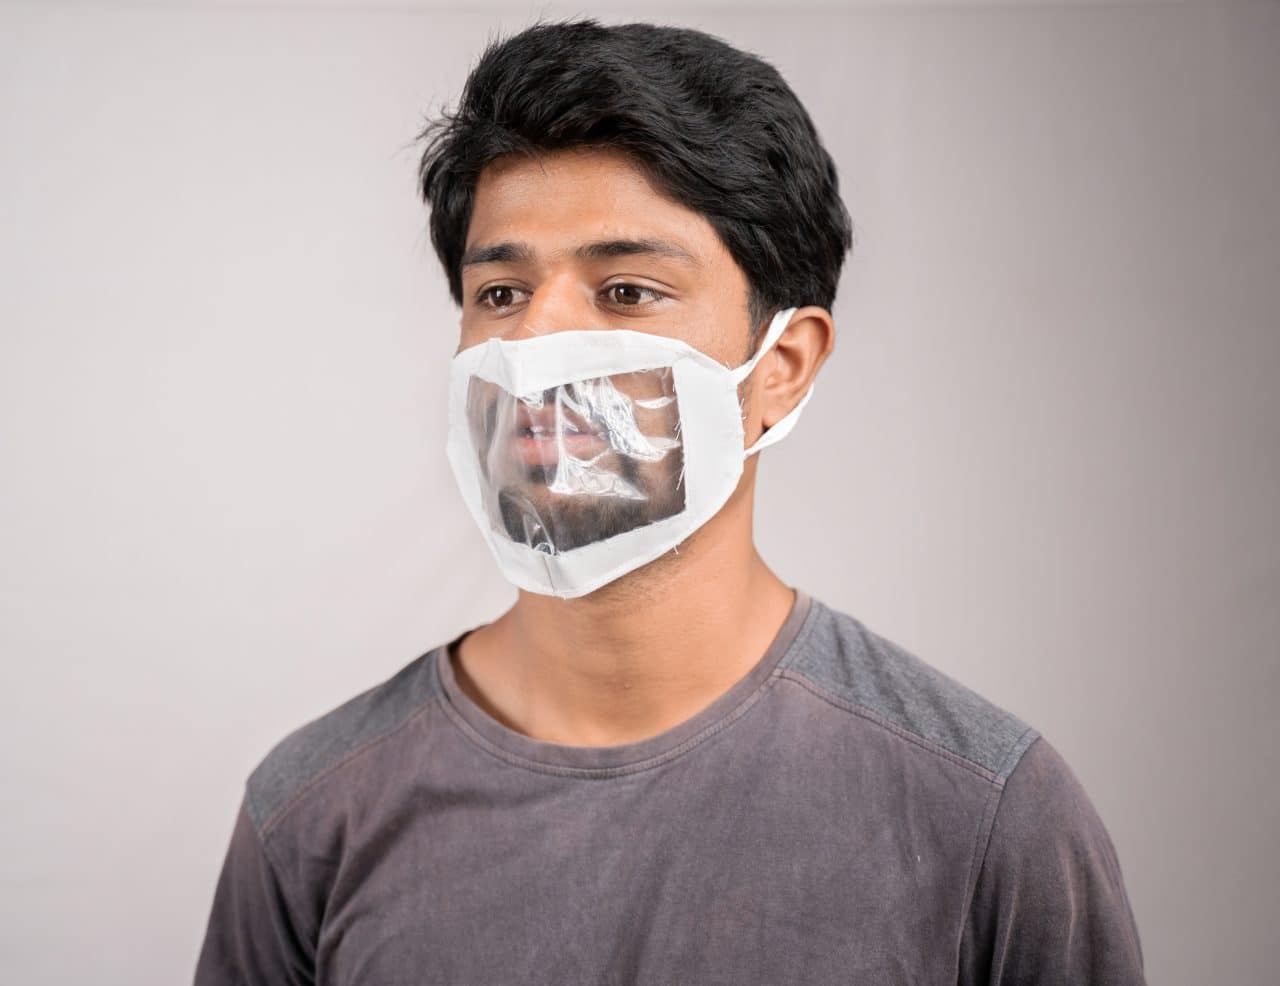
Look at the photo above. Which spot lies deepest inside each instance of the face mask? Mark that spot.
(583, 455)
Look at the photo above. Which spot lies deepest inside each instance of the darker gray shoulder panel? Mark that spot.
(843, 657)
(309, 751)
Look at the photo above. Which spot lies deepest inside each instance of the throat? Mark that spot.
(554, 671)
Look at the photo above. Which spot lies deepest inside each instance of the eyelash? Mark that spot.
(652, 294)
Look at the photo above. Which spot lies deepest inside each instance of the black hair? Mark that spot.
(714, 128)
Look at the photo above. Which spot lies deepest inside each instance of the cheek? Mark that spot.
(727, 328)
(721, 330)
(472, 331)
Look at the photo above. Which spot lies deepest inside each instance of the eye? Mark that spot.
(630, 295)
(497, 296)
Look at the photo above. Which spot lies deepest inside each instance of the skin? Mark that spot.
(647, 651)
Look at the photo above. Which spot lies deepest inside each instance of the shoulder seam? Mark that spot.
(870, 715)
(982, 841)
(276, 869)
(278, 813)
(1017, 749)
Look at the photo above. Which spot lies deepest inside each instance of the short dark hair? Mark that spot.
(714, 128)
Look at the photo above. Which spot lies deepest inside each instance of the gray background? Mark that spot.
(1045, 455)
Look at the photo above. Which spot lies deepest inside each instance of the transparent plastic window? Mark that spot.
(579, 462)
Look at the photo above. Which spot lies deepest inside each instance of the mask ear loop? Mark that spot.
(782, 427)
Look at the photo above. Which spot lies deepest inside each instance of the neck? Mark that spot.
(637, 656)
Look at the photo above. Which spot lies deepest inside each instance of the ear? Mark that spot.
(787, 371)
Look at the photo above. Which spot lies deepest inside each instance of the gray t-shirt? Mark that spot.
(844, 813)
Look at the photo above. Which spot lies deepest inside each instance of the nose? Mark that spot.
(559, 303)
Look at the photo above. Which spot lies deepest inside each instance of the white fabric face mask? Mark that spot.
(583, 455)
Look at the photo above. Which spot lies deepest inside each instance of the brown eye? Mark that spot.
(625, 294)
(629, 295)
(497, 297)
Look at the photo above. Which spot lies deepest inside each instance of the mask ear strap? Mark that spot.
(782, 427)
(774, 333)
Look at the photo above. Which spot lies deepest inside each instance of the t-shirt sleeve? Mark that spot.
(1050, 905)
(253, 935)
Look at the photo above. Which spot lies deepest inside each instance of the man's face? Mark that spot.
(581, 240)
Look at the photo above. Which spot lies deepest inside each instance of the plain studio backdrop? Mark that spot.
(1045, 455)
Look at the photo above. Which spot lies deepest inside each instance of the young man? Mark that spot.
(661, 764)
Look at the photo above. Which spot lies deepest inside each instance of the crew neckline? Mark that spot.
(560, 758)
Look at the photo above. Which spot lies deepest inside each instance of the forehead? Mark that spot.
(557, 200)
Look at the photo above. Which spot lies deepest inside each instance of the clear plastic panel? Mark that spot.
(579, 462)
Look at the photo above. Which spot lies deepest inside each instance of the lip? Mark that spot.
(537, 450)
(540, 435)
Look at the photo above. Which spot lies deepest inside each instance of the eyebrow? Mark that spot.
(632, 248)
(497, 253)
(519, 253)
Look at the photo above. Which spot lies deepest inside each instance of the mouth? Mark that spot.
(540, 439)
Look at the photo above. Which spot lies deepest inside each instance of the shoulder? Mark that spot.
(1048, 834)
(321, 745)
(1050, 903)
(1043, 803)
(872, 676)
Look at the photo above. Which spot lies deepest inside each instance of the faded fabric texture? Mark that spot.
(845, 813)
